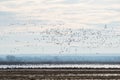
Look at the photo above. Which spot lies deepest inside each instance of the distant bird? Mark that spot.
(105, 26)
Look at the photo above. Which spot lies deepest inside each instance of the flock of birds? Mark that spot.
(67, 39)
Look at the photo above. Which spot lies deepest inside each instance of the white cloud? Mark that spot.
(84, 11)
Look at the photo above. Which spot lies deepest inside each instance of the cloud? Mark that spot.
(82, 11)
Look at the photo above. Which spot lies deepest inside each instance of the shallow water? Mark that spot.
(62, 66)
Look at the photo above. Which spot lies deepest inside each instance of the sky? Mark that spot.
(59, 27)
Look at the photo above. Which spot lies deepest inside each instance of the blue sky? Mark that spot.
(23, 24)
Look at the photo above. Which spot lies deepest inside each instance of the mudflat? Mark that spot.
(60, 74)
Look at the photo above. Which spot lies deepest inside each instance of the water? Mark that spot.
(62, 66)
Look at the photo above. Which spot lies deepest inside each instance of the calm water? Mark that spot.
(62, 66)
